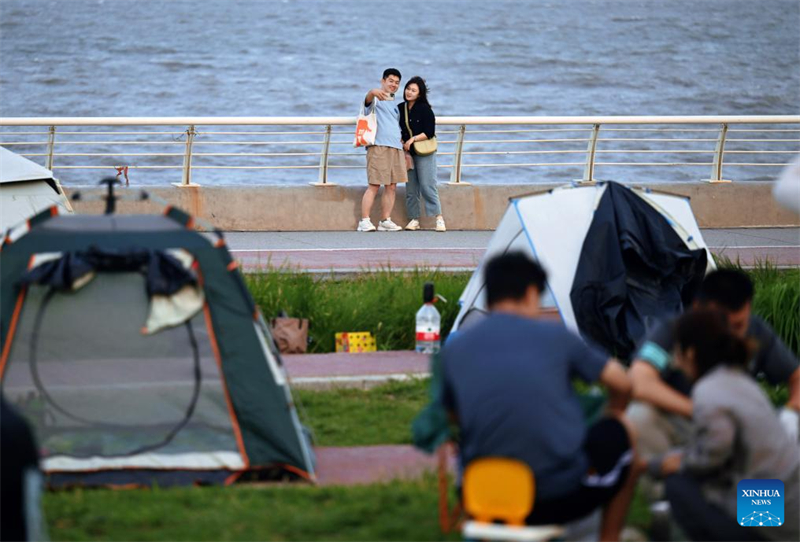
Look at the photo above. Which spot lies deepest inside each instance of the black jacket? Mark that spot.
(421, 119)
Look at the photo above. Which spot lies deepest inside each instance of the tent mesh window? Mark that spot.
(100, 392)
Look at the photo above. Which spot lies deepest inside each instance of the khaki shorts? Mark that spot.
(385, 165)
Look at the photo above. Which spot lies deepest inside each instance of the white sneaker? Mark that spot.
(440, 224)
(388, 225)
(413, 225)
(365, 224)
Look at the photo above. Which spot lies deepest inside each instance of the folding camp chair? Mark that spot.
(501, 489)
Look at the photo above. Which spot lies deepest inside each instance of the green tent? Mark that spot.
(133, 348)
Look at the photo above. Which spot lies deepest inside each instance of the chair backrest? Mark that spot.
(498, 489)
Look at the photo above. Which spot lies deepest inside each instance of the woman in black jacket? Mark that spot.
(418, 123)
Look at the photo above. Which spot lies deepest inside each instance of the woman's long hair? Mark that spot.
(708, 332)
(423, 89)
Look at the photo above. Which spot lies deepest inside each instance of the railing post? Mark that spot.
(51, 144)
(719, 156)
(455, 173)
(588, 171)
(186, 179)
(323, 160)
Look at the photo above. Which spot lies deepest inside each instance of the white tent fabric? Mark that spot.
(26, 188)
(15, 168)
(550, 227)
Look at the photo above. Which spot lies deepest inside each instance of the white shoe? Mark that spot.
(388, 225)
(413, 225)
(440, 224)
(365, 224)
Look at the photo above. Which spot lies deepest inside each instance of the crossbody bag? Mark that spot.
(422, 148)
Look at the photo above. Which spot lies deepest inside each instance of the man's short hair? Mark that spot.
(729, 288)
(510, 275)
(392, 71)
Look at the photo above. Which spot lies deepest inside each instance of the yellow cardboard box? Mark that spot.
(355, 342)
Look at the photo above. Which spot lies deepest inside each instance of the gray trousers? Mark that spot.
(657, 431)
(422, 182)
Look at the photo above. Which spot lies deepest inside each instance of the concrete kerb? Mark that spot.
(474, 207)
(364, 382)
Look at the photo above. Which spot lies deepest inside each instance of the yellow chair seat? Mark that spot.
(501, 489)
(498, 489)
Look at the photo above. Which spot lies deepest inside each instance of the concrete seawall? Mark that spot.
(475, 207)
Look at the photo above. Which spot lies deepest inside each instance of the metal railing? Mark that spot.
(510, 144)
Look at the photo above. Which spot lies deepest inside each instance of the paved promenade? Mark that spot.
(370, 464)
(320, 371)
(345, 252)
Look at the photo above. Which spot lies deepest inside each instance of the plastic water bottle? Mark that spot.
(428, 323)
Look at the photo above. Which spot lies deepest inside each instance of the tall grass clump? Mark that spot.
(383, 302)
(777, 300)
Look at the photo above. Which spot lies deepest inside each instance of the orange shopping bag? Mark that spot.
(366, 127)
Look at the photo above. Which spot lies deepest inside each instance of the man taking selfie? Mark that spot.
(386, 164)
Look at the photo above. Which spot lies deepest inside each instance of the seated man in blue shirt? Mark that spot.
(508, 386)
(662, 409)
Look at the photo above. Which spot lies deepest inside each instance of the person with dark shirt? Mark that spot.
(662, 407)
(507, 383)
(418, 123)
(735, 437)
(20, 480)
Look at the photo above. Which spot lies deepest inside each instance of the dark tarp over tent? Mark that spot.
(647, 271)
(133, 348)
(617, 258)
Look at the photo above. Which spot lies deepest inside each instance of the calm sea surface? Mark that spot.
(317, 58)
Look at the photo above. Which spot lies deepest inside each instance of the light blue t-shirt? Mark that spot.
(388, 123)
(509, 381)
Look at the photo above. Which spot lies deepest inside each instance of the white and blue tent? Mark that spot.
(26, 188)
(577, 233)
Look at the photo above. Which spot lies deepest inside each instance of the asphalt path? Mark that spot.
(346, 252)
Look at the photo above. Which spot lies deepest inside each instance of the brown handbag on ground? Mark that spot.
(290, 334)
(422, 148)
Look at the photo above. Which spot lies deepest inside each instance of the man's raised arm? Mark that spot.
(616, 379)
(648, 387)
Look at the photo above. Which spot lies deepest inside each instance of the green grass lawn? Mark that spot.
(354, 417)
(393, 511)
